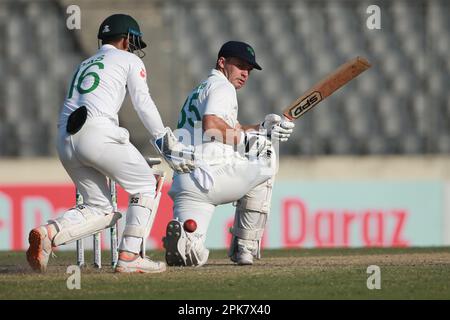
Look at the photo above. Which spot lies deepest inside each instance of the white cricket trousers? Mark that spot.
(102, 149)
(231, 183)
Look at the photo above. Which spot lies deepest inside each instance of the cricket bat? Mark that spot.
(325, 87)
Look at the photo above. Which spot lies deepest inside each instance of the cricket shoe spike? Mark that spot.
(184, 248)
(134, 263)
(40, 249)
(175, 244)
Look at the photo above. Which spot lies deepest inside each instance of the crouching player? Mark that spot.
(238, 164)
(92, 146)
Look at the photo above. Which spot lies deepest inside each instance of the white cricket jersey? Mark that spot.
(214, 96)
(100, 83)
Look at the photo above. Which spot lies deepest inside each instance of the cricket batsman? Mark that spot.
(92, 146)
(238, 164)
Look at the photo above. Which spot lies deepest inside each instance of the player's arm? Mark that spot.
(142, 101)
(273, 125)
(248, 127)
(216, 128)
(163, 139)
(246, 136)
(219, 103)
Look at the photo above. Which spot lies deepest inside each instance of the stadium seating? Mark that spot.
(400, 106)
(386, 111)
(37, 59)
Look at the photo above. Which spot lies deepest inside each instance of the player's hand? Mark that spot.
(277, 127)
(256, 144)
(283, 130)
(179, 156)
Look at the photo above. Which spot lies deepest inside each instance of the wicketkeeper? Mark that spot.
(92, 146)
(238, 164)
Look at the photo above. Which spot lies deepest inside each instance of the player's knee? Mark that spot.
(81, 213)
(250, 221)
(142, 186)
(145, 200)
(98, 205)
(80, 222)
(140, 215)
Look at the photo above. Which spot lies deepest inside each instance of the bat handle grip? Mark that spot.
(286, 118)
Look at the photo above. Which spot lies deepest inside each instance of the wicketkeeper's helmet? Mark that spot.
(122, 25)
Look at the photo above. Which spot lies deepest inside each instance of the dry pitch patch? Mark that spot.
(416, 273)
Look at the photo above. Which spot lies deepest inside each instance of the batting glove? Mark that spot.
(256, 144)
(277, 128)
(179, 156)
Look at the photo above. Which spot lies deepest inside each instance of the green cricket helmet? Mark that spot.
(122, 25)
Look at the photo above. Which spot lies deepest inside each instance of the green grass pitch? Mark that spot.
(411, 273)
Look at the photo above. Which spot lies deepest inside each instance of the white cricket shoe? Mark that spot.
(244, 252)
(243, 258)
(182, 248)
(134, 263)
(40, 249)
(175, 244)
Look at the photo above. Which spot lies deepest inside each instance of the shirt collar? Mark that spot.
(107, 47)
(215, 72)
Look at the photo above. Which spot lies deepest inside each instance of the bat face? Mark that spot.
(297, 110)
(345, 73)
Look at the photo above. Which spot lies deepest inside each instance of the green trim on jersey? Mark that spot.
(190, 108)
(91, 74)
(91, 63)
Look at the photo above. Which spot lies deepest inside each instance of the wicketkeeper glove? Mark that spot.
(277, 128)
(179, 156)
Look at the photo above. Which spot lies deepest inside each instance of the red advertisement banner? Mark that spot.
(300, 217)
(24, 207)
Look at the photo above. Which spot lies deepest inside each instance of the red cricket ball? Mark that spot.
(190, 225)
